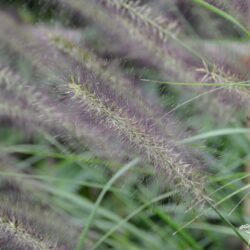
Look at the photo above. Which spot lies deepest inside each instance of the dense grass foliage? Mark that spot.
(124, 124)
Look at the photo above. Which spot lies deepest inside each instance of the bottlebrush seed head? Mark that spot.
(157, 151)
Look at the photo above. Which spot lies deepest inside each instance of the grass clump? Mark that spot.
(124, 125)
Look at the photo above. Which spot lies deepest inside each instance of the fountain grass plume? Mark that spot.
(28, 223)
(141, 41)
(147, 29)
(141, 16)
(158, 151)
(157, 52)
(161, 33)
(152, 36)
(96, 65)
(14, 237)
(146, 33)
(20, 40)
(112, 78)
(13, 36)
(37, 108)
(46, 103)
(134, 135)
(232, 95)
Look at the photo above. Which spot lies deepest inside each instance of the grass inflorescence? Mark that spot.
(119, 120)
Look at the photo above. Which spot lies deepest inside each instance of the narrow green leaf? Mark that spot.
(223, 14)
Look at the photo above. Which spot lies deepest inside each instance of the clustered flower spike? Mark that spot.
(146, 31)
(37, 109)
(157, 151)
(92, 105)
(141, 15)
(27, 223)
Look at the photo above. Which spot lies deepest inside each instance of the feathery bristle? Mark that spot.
(157, 151)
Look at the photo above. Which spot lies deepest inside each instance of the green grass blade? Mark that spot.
(215, 133)
(201, 84)
(123, 170)
(227, 222)
(130, 216)
(223, 14)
